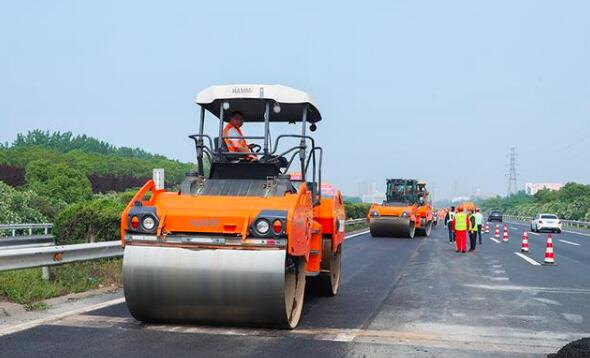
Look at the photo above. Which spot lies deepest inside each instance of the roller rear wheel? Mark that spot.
(328, 282)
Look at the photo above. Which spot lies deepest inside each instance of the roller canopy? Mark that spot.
(249, 99)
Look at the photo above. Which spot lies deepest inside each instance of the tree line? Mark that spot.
(571, 202)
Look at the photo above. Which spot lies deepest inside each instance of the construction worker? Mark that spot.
(236, 142)
(479, 223)
(472, 229)
(459, 224)
(448, 222)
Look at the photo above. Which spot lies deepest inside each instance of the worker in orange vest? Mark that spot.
(460, 228)
(236, 142)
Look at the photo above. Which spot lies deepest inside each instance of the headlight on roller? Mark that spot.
(148, 223)
(405, 214)
(374, 213)
(262, 226)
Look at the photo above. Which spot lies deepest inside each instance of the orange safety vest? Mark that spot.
(230, 143)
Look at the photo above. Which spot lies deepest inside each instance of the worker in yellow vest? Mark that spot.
(473, 228)
(460, 229)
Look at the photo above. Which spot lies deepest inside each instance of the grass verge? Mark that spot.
(28, 288)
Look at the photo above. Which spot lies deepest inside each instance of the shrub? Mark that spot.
(90, 221)
(356, 210)
(19, 206)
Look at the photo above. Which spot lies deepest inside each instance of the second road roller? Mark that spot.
(235, 244)
(406, 211)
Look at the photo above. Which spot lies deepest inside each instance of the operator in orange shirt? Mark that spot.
(236, 142)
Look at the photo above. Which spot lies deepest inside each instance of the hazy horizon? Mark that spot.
(431, 90)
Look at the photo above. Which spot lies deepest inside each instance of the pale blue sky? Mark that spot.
(402, 85)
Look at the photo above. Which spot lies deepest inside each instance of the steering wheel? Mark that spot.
(255, 148)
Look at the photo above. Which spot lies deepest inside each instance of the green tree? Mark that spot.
(58, 181)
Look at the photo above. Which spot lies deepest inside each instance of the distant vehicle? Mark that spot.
(435, 218)
(547, 222)
(495, 215)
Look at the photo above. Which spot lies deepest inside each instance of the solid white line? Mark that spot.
(533, 233)
(569, 242)
(514, 228)
(575, 232)
(56, 317)
(528, 259)
(494, 240)
(356, 234)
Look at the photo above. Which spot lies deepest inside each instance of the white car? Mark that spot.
(547, 222)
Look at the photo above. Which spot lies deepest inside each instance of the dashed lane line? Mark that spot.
(569, 242)
(527, 259)
(533, 233)
(494, 240)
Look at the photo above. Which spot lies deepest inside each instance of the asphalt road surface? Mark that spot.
(398, 297)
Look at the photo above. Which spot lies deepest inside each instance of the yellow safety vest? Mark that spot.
(472, 227)
(460, 221)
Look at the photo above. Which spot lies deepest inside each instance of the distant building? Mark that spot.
(533, 188)
(369, 193)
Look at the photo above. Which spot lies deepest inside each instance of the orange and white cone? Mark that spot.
(487, 230)
(505, 236)
(497, 232)
(525, 242)
(549, 258)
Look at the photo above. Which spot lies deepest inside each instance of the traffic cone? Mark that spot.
(525, 242)
(497, 232)
(505, 236)
(487, 231)
(549, 258)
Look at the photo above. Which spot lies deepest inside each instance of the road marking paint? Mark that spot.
(494, 240)
(547, 301)
(575, 232)
(535, 289)
(56, 317)
(569, 242)
(533, 233)
(488, 339)
(573, 317)
(514, 228)
(357, 234)
(527, 259)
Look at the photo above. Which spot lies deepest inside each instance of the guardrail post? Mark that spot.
(45, 274)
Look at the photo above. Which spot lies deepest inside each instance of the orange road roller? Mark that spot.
(403, 213)
(235, 244)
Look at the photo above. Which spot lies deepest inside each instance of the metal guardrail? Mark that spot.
(22, 236)
(29, 257)
(57, 255)
(568, 223)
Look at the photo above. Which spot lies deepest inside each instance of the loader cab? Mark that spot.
(268, 105)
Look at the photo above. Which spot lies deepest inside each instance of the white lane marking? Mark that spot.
(575, 232)
(514, 228)
(56, 317)
(355, 235)
(533, 233)
(494, 240)
(535, 289)
(573, 317)
(527, 259)
(569, 242)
